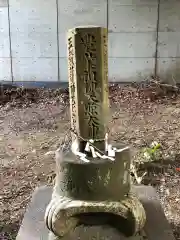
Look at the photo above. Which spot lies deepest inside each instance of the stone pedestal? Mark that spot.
(156, 227)
(96, 180)
(94, 192)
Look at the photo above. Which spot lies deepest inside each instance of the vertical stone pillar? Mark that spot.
(99, 185)
(88, 82)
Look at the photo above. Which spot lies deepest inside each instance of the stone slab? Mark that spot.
(156, 228)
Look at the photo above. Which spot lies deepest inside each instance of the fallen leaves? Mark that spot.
(141, 114)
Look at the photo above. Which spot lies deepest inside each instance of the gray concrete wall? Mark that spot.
(5, 59)
(34, 40)
(73, 13)
(33, 37)
(168, 62)
(132, 39)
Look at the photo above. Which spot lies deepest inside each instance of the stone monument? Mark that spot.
(93, 178)
(93, 186)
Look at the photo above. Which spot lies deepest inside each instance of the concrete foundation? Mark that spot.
(156, 228)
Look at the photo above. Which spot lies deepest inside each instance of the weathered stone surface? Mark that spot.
(97, 180)
(94, 183)
(98, 186)
(63, 215)
(156, 227)
(88, 82)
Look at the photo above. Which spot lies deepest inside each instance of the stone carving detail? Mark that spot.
(72, 83)
(88, 81)
(105, 45)
(92, 92)
(62, 213)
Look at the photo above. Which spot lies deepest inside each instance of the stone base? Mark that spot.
(63, 214)
(156, 228)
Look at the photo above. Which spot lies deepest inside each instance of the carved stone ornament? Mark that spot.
(98, 186)
(63, 214)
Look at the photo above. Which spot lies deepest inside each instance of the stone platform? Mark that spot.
(156, 228)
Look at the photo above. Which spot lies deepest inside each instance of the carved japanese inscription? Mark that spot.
(72, 83)
(87, 56)
(92, 103)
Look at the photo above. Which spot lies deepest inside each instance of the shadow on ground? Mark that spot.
(9, 231)
(157, 170)
(176, 231)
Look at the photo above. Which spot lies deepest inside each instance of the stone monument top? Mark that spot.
(88, 83)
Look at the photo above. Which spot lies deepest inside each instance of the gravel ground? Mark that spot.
(33, 123)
